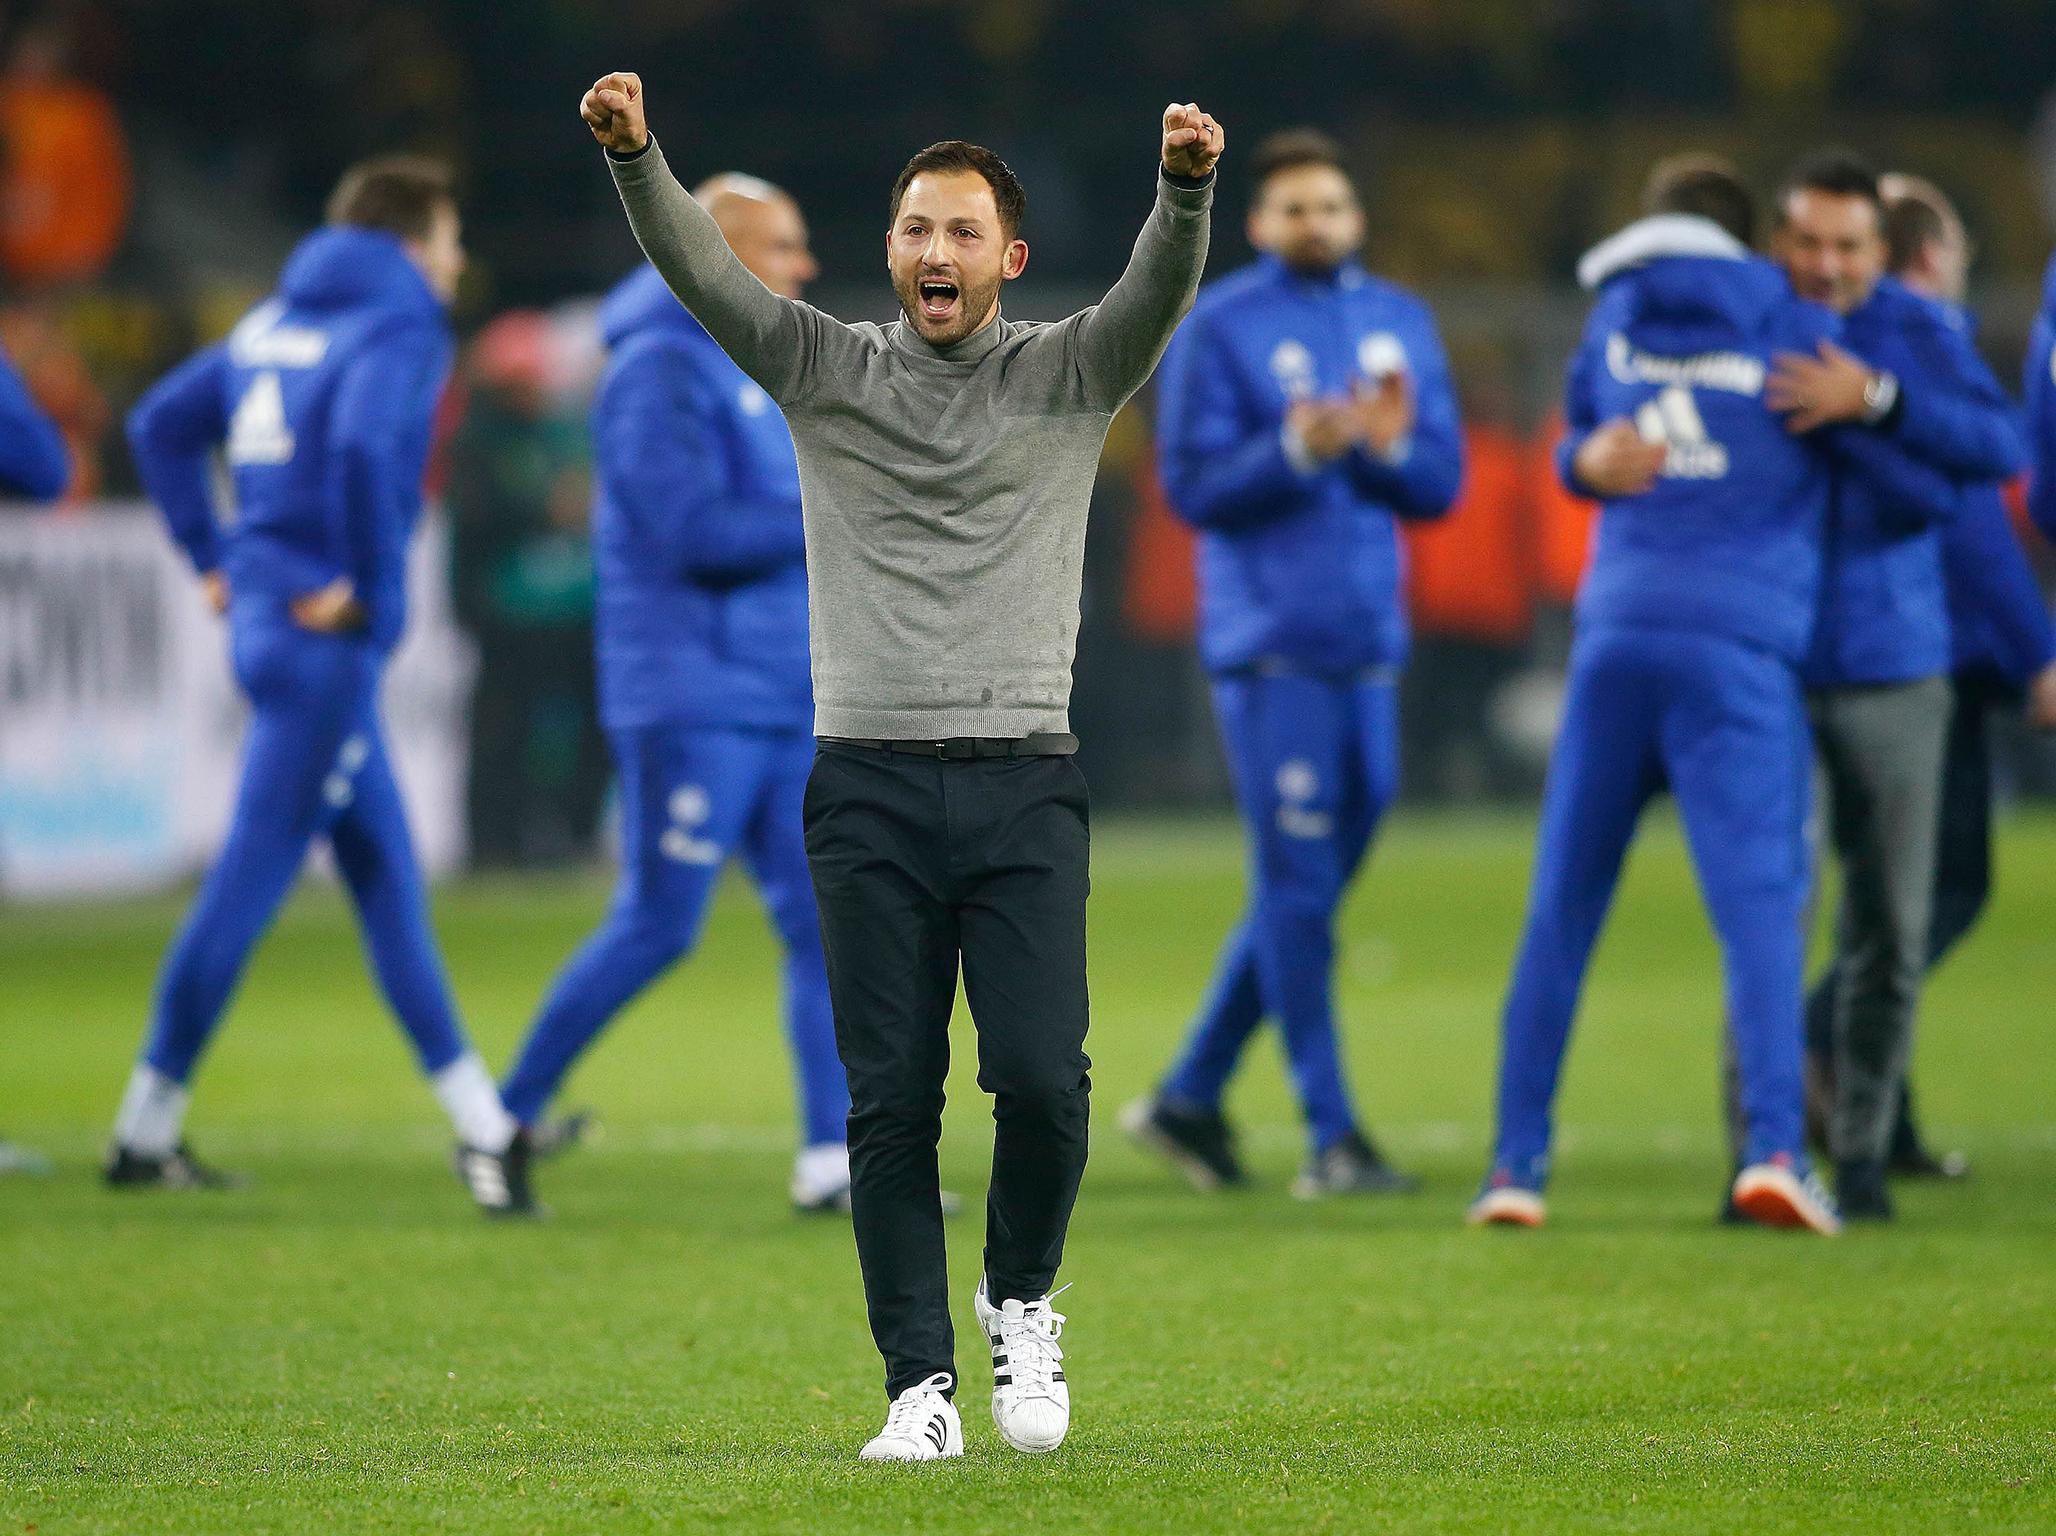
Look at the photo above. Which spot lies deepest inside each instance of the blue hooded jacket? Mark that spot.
(2040, 393)
(321, 399)
(33, 459)
(1998, 615)
(1884, 611)
(1728, 540)
(696, 530)
(1301, 566)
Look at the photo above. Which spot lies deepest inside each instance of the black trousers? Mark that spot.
(920, 864)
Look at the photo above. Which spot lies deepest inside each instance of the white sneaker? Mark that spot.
(821, 1178)
(1507, 1206)
(1030, 1402)
(921, 1425)
(1783, 1193)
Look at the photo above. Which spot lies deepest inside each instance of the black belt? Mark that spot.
(1041, 744)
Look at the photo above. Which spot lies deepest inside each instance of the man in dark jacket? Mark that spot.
(703, 673)
(320, 400)
(2002, 651)
(1878, 668)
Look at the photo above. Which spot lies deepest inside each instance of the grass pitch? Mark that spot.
(347, 1347)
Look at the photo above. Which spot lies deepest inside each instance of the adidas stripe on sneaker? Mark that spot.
(921, 1425)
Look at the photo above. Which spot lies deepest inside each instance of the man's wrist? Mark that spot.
(1880, 398)
(633, 154)
(1186, 183)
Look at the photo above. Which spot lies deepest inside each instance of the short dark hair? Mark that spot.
(1917, 214)
(1706, 185)
(399, 194)
(1836, 172)
(1009, 197)
(1288, 150)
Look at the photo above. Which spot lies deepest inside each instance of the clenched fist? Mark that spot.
(1192, 140)
(613, 109)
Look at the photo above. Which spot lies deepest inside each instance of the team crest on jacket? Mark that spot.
(1379, 354)
(1292, 365)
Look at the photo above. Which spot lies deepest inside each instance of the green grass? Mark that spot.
(347, 1347)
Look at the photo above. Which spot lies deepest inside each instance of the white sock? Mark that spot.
(152, 1113)
(472, 1100)
(820, 1170)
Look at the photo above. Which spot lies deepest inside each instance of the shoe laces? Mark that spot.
(1030, 1342)
(911, 1408)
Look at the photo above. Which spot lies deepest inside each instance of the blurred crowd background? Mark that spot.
(160, 159)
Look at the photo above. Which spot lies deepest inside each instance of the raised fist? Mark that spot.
(1192, 140)
(613, 109)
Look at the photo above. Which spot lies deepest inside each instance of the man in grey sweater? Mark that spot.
(946, 466)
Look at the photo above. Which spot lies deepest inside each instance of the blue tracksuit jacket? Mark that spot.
(702, 583)
(33, 459)
(1727, 542)
(1884, 612)
(322, 399)
(1300, 569)
(1998, 615)
(2040, 392)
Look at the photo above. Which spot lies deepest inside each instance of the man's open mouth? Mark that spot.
(938, 297)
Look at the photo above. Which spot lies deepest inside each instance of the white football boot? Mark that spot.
(921, 1425)
(1031, 1403)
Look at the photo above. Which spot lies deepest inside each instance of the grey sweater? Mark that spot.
(944, 491)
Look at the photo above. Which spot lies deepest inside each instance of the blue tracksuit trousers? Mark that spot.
(314, 766)
(690, 797)
(1723, 725)
(1315, 764)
